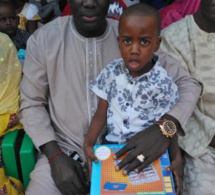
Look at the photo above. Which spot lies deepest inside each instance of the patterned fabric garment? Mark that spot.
(20, 40)
(10, 76)
(13, 120)
(195, 50)
(134, 103)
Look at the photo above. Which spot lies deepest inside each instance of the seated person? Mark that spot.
(191, 41)
(10, 76)
(134, 91)
(48, 9)
(9, 25)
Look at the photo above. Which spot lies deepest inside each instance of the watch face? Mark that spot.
(169, 127)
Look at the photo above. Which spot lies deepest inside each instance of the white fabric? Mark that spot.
(134, 103)
(29, 11)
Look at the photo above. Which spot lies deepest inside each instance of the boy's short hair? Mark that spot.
(142, 9)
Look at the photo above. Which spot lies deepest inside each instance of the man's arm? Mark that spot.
(36, 120)
(188, 87)
(34, 90)
(151, 142)
(200, 128)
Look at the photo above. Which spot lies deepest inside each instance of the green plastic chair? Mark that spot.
(19, 155)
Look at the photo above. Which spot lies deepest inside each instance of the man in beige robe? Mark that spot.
(191, 41)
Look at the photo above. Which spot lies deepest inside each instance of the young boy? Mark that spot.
(9, 25)
(134, 91)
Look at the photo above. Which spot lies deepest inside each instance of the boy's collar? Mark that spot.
(147, 75)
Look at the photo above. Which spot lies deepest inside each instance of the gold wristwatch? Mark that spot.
(168, 128)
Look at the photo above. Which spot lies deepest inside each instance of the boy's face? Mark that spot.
(138, 40)
(89, 15)
(8, 21)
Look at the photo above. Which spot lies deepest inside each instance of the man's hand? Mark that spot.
(67, 173)
(176, 162)
(68, 176)
(175, 167)
(151, 143)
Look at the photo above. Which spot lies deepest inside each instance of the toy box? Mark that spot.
(105, 180)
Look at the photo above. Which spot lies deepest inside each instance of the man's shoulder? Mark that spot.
(56, 25)
(176, 27)
(113, 23)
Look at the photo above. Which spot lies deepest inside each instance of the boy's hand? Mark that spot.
(90, 157)
(175, 167)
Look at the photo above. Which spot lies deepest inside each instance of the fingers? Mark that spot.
(177, 184)
(167, 168)
(132, 162)
(91, 157)
(136, 162)
(89, 165)
(126, 161)
(143, 165)
(175, 168)
(90, 154)
(125, 149)
(149, 143)
(132, 166)
(141, 158)
(80, 181)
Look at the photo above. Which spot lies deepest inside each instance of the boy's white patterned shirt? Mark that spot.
(134, 103)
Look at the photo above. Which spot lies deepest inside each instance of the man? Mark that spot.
(194, 48)
(62, 59)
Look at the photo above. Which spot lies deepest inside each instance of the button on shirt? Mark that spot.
(134, 103)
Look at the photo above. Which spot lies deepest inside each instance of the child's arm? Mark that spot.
(98, 121)
(176, 161)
